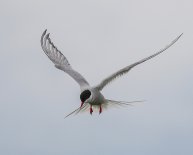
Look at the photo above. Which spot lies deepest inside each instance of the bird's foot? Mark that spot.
(91, 111)
(100, 109)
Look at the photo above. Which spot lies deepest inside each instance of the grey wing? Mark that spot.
(128, 68)
(60, 60)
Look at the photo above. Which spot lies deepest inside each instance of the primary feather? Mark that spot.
(60, 60)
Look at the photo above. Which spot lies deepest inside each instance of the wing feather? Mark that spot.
(60, 60)
(128, 68)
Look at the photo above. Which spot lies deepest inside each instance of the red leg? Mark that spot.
(100, 110)
(91, 109)
(81, 104)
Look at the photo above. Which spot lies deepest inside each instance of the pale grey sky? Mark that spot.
(98, 37)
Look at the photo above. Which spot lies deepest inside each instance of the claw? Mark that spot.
(100, 110)
(91, 111)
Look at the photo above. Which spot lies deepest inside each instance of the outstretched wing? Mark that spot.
(128, 68)
(60, 60)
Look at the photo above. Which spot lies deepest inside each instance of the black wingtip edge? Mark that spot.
(181, 34)
(44, 32)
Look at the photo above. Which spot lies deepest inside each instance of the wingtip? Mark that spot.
(47, 36)
(181, 34)
(177, 38)
(44, 32)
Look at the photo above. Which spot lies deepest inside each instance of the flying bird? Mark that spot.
(90, 96)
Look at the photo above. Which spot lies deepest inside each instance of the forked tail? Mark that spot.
(106, 105)
(112, 103)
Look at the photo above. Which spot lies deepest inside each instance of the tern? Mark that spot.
(90, 96)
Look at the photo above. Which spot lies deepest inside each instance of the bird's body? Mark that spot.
(90, 96)
(97, 97)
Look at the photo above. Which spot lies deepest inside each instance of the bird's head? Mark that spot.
(85, 96)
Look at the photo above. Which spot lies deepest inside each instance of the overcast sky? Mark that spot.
(98, 37)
